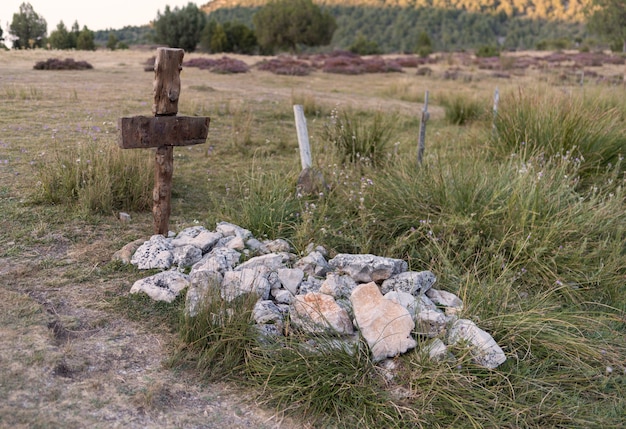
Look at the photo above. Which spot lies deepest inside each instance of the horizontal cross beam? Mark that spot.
(156, 131)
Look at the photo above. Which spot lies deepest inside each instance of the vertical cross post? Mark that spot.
(163, 131)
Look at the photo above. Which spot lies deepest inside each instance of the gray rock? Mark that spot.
(266, 312)
(249, 280)
(412, 282)
(405, 299)
(201, 283)
(282, 296)
(313, 264)
(186, 256)
(483, 348)
(154, 253)
(220, 259)
(197, 236)
(273, 261)
(338, 286)
(163, 286)
(436, 350)
(430, 322)
(311, 284)
(228, 229)
(276, 246)
(291, 278)
(367, 268)
(446, 299)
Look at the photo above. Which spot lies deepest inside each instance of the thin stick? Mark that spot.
(422, 137)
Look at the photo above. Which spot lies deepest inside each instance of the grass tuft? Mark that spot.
(532, 124)
(359, 140)
(96, 178)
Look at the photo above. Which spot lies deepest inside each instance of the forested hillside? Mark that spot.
(451, 24)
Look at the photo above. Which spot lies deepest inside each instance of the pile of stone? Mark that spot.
(347, 296)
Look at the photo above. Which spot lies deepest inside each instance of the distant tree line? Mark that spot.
(280, 25)
(363, 26)
(61, 38)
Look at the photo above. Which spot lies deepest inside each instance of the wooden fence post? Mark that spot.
(496, 101)
(422, 136)
(303, 137)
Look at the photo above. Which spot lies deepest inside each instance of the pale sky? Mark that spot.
(96, 15)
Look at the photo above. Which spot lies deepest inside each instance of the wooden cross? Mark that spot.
(163, 131)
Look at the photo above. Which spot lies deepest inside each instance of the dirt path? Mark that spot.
(66, 360)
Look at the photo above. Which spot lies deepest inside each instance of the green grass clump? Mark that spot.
(359, 139)
(461, 109)
(96, 178)
(217, 339)
(537, 259)
(532, 124)
(325, 383)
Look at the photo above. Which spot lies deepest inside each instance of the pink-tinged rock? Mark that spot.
(317, 312)
(385, 325)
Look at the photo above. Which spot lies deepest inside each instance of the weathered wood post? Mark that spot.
(496, 103)
(163, 131)
(303, 137)
(422, 137)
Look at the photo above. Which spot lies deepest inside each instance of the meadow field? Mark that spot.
(522, 214)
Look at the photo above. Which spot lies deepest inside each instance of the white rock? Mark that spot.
(282, 296)
(483, 348)
(249, 280)
(273, 261)
(445, 298)
(385, 325)
(186, 256)
(367, 268)
(266, 312)
(277, 246)
(436, 350)
(313, 264)
(290, 278)
(154, 253)
(430, 322)
(228, 229)
(405, 299)
(220, 259)
(163, 286)
(415, 283)
(338, 286)
(201, 282)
